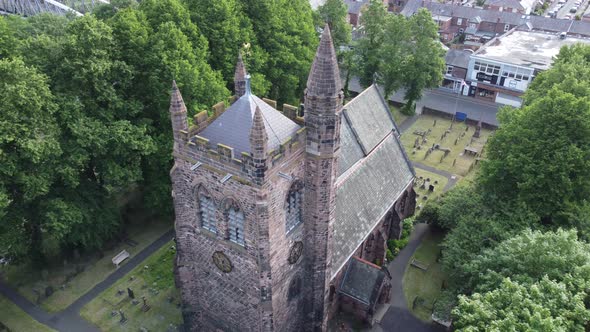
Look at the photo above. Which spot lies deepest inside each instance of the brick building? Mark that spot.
(481, 25)
(282, 219)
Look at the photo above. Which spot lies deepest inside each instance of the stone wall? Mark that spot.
(214, 299)
(287, 279)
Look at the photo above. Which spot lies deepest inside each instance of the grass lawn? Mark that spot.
(462, 162)
(438, 181)
(398, 116)
(13, 318)
(156, 283)
(84, 273)
(427, 284)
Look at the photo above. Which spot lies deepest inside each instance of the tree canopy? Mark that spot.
(399, 52)
(334, 13)
(540, 155)
(533, 281)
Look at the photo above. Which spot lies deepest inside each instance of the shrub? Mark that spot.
(389, 255)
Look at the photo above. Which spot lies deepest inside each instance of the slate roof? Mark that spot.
(503, 17)
(505, 3)
(232, 127)
(362, 281)
(457, 58)
(373, 172)
(355, 6)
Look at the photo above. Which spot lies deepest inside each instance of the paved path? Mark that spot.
(398, 317)
(69, 319)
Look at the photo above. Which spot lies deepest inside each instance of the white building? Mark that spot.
(502, 70)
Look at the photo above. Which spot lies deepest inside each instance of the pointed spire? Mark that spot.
(324, 77)
(177, 113)
(176, 101)
(240, 77)
(258, 136)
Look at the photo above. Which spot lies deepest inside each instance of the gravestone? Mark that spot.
(135, 302)
(434, 124)
(120, 292)
(48, 291)
(130, 293)
(123, 319)
(145, 306)
(431, 188)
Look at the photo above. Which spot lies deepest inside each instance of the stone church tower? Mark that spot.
(262, 244)
(323, 103)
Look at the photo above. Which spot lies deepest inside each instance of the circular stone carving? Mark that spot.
(295, 252)
(222, 262)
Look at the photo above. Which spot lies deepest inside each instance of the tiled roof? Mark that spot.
(362, 281)
(232, 127)
(374, 171)
(505, 3)
(369, 118)
(503, 17)
(457, 58)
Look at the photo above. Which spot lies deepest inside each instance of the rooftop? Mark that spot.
(539, 23)
(529, 49)
(232, 127)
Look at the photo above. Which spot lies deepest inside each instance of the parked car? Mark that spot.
(573, 9)
(577, 3)
(568, 17)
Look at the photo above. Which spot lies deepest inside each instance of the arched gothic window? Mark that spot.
(208, 212)
(236, 225)
(293, 206)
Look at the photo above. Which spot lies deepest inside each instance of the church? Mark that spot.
(283, 216)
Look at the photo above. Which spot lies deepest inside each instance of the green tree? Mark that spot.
(367, 57)
(285, 31)
(334, 12)
(399, 52)
(530, 256)
(425, 63)
(29, 154)
(533, 281)
(226, 28)
(540, 155)
(543, 306)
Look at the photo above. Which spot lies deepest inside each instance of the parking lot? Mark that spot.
(567, 9)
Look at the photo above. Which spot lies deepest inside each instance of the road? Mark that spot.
(440, 100)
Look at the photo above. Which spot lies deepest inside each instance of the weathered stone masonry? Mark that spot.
(269, 213)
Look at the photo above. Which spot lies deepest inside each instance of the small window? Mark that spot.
(449, 70)
(459, 21)
(236, 226)
(506, 27)
(293, 206)
(208, 213)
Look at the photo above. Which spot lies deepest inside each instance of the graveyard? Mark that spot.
(145, 299)
(447, 145)
(423, 279)
(424, 181)
(58, 286)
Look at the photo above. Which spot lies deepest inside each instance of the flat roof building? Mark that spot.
(525, 48)
(502, 69)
